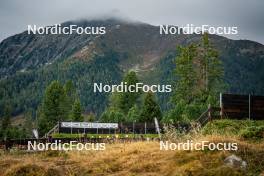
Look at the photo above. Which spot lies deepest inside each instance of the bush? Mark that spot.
(112, 115)
(237, 128)
(254, 132)
(224, 127)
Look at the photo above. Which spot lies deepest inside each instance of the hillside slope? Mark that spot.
(28, 63)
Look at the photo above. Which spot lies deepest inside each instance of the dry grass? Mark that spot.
(138, 158)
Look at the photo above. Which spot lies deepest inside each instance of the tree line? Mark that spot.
(199, 79)
(131, 106)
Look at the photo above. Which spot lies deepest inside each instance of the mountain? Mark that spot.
(28, 63)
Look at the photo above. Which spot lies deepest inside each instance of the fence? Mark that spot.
(242, 106)
(121, 128)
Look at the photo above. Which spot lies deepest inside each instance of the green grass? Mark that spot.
(229, 127)
(66, 135)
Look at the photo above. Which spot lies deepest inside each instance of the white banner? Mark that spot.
(89, 125)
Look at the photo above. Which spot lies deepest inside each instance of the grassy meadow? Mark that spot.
(143, 158)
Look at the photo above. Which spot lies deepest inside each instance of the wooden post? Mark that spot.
(221, 107)
(145, 128)
(157, 127)
(121, 129)
(58, 126)
(249, 106)
(7, 144)
(133, 129)
(209, 112)
(71, 127)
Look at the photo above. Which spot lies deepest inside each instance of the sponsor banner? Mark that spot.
(89, 125)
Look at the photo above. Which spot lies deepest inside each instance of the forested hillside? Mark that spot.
(28, 63)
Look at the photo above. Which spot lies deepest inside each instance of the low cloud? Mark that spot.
(15, 15)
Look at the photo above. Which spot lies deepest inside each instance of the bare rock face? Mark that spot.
(235, 161)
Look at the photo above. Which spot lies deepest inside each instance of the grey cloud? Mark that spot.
(15, 15)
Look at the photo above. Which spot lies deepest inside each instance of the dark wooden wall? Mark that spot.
(242, 106)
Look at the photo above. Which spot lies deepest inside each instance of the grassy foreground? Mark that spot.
(138, 158)
(146, 158)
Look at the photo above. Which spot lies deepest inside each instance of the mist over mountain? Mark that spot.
(28, 63)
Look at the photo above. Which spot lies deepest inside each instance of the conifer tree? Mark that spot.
(150, 109)
(133, 114)
(112, 115)
(128, 99)
(200, 79)
(122, 102)
(77, 111)
(187, 77)
(6, 117)
(6, 122)
(211, 70)
(53, 107)
(28, 125)
(70, 98)
(90, 117)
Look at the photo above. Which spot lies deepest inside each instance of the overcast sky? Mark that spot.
(247, 15)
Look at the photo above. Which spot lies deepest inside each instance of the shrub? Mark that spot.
(253, 132)
(112, 115)
(224, 127)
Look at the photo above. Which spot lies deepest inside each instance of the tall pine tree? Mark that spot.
(133, 114)
(150, 109)
(211, 71)
(6, 122)
(185, 72)
(71, 96)
(54, 107)
(77, 112)
(128, 99)
(200, 79)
